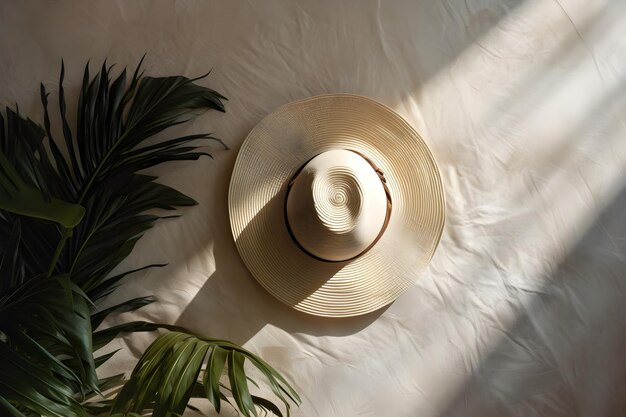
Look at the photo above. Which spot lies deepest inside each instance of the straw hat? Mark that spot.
(336, 205)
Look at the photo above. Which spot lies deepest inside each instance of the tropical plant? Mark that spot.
(70, 212)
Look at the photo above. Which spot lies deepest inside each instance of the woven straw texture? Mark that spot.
(274, 151)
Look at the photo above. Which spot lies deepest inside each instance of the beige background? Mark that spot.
(521, 312)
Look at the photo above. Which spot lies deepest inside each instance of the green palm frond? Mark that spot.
(42, 321)
(30, 189)
(18, 197)
(71, 211)
(114, 118)
(177, 364)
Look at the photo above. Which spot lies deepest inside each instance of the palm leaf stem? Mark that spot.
(65, 234)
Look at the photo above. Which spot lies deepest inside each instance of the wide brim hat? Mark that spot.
(336, 205)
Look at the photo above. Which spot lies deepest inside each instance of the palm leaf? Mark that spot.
(98, 175)
(38, 328)
(239, 383)
(211, 380)
(17, 197)
(169, 372)
(70, 218)
(30, 189)
(130, 305)
(33, 388)
(105, 154)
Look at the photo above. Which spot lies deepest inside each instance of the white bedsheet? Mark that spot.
(522, 311)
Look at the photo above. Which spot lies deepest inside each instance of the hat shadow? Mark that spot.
(232, 291)
(267, 217)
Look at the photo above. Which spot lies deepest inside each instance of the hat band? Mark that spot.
(383, 180)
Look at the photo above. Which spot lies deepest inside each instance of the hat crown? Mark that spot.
(336, 206)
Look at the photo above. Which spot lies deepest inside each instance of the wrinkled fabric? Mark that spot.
(522, 310)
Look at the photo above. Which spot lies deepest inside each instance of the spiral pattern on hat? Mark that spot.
(336, 206)
(338, 197)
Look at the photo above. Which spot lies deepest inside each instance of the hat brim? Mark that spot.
(280, 144)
